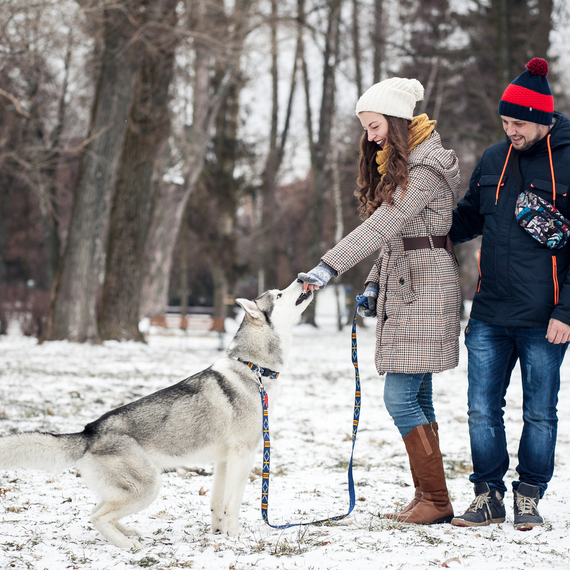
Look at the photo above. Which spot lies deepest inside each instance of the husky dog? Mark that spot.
(213, 416)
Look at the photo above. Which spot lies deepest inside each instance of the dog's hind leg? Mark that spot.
(126, 483)
(126, 530)
(217, 500)
(106, 523)
(121, 528)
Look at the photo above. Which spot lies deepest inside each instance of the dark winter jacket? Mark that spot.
(521, 282)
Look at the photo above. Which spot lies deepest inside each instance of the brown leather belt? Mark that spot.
(423, 242)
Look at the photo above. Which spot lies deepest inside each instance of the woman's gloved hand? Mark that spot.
(319, 276)
(368, 309)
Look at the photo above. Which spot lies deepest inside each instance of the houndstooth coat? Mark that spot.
(419, 297)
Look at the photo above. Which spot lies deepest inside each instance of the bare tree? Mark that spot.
(378, 40)
(148, 129)
(270, 248)
(215, 69)
(211, 209)
(320, 145)
(72, 312)
(38, 42)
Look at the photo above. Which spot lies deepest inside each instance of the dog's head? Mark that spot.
(277, 308)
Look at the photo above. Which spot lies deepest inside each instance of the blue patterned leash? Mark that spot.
(267, 442)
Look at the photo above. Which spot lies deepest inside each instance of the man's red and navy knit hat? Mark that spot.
(528, 97)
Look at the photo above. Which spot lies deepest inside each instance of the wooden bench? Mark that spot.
(190, 323)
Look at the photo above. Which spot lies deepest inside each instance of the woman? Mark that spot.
(407, 186)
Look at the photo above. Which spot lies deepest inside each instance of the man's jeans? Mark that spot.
(493, 352)
(409, 400)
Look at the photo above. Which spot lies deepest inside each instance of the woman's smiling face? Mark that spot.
(375, 125)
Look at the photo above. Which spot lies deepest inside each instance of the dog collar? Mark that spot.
(261, 371)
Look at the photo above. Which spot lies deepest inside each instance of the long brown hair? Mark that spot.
(373, 189)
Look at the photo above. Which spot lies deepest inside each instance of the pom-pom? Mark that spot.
(537, 66)
(417, 89)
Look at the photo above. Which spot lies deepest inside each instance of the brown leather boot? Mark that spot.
(423, 450)
(418, 493)
(412, 504)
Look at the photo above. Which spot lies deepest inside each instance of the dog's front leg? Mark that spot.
(237, 473)
(217, 498)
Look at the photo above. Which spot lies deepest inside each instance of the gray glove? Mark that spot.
(318, 276)
(368, 309)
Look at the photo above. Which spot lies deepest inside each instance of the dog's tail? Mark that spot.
(45, 451)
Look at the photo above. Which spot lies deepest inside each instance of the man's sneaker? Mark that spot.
(486, 508)
(526, 513)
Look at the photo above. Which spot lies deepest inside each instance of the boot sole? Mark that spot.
(527, 526)
(442, 520)
(464, 523)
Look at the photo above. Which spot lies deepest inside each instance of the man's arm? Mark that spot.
(467, 219)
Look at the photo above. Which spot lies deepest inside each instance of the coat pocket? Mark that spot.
(543, 188)
(488, 192)
(403, 280)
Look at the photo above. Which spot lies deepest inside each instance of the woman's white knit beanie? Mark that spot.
(396, 97)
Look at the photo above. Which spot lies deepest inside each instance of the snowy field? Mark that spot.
(60, 386)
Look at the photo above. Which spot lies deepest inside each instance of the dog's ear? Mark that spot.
(251, 309)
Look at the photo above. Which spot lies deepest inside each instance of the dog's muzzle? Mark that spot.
(304, 295)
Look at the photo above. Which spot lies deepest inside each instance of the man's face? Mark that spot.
(523, 134)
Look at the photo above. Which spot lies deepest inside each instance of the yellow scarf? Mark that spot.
(420, 130)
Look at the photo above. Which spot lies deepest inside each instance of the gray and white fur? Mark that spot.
(212, 416)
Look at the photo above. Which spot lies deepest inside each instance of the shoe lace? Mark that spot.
(526, 505)
(479, 502)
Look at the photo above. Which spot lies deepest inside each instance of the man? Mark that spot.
(521, 310)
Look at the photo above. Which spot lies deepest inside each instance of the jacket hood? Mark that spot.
(431, 154)
(560, 131)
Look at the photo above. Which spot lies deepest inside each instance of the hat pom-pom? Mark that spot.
(537, 66)
(417, 89)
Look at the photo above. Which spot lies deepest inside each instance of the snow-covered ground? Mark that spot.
(60, 386)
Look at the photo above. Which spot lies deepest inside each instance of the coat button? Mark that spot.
(402, 280)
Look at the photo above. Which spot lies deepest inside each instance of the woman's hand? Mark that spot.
(308, 287)
(371, 294)
(317, 278)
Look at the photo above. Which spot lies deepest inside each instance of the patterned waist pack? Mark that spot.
(542, 220)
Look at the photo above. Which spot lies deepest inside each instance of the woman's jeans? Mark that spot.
(493, 352)
(409, 400)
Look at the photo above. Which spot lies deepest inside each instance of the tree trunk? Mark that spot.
(269, 242)
(356, 47)
(48, 185)
(149, 126)
(168, 207)
(378, 40)
(503, 43)
(72, 313)
(320, 149)
(170, 199)
(540, 38)
(268, 246)
(6, 182)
